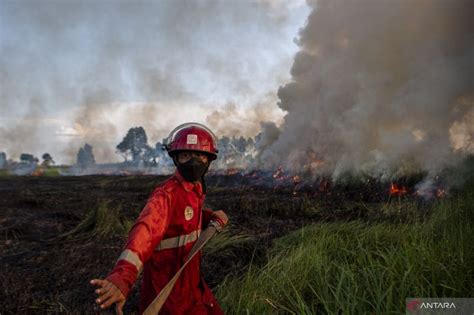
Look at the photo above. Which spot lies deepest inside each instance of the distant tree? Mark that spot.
(3, 159)
(85, 157)
(224, 145)
(240, 144)
(47, 160)
(28, 158)
(159, 147)
(150, 157)
(161, 155)
(250, 144)
(135, 145)
(154, 156)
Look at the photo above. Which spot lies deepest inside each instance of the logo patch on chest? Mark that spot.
(188, 213)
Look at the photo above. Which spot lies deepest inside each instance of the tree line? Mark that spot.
(136, 151)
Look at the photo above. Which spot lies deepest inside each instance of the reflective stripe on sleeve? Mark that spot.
(132, 258)
(178, 241)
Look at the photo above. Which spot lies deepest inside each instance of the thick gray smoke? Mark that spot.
(76, 72)
(379, 86)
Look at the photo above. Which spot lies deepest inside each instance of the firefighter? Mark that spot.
(165, 232)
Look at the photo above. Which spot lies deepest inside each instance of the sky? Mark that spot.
(76, 72)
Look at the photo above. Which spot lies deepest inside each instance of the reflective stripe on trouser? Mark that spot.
(178, 241)
(132, 258)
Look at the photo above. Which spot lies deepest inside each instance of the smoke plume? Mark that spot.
(70, 69)
(379, 86)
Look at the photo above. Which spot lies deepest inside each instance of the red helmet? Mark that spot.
(192, 137)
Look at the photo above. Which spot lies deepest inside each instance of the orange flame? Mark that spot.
(232, 171)
(397, 190)
(296, 179)
(253, 174)
(440, 193)
(279, 173)
(38, 172)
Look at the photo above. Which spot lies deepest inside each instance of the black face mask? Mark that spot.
(193, 170)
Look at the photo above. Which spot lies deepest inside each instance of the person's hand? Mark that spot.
(221, 217)
(108, 295)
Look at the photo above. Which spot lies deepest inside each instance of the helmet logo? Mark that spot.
(188, 213)
(192, 139)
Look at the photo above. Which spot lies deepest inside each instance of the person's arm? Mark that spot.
(142, 240)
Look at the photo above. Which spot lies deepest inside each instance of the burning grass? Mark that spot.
(359, 267)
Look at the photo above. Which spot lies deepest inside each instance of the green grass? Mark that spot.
(101, 222)
(4, 172)
(51, 171)
(225, 244)
(359, 267)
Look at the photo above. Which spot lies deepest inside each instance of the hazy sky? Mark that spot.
(86, 71)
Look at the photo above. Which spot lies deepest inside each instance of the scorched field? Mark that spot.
(358, 246)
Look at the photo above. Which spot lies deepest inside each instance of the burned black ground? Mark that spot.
(46, 269)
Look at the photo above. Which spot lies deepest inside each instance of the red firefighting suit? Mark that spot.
(158, 243)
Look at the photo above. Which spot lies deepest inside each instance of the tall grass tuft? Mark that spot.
(225, 243)
(101, 222)
(359, 267)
